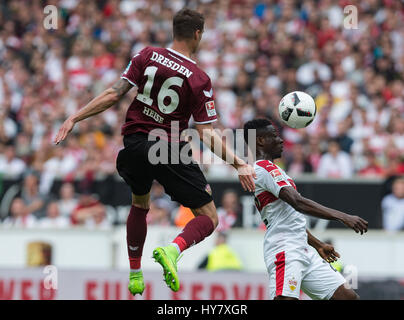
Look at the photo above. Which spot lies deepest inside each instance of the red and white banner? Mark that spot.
(39, 284)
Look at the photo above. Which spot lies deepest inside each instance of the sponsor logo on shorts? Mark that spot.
(208, 189)
(292, 284)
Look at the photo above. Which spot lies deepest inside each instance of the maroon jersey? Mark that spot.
(170, 88)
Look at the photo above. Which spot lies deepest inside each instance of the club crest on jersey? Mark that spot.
(210, 108)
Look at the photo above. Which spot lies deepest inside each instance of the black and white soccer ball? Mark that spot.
(297, 109)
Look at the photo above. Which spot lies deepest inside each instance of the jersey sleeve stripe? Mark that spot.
(205, 122)
(282, 183)
(267, 165)
(265, 198)
(132, 83)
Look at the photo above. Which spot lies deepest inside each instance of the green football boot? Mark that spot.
(136, 283)
(167, 257)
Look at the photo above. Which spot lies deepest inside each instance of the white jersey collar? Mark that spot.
(181, 55)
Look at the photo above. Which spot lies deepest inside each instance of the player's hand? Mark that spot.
(356, 223)
(246, 175)
(64, 130)
(328, 253)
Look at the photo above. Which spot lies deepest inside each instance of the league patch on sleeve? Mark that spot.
(277, 175)
(210, 108)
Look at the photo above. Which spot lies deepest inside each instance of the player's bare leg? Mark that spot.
(136, 230)
(343, 293)
(195, 231)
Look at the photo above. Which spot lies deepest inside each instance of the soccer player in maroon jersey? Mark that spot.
(170, 88)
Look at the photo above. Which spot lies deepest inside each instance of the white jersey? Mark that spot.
(286, 227)
(291, 263)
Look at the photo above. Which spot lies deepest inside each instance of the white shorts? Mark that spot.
(302, 269)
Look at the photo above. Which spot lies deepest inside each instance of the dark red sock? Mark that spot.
(136, 230)
(194, 232)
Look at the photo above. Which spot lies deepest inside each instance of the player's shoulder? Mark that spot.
(147, 50)
(265, 165)
(200, 78)
(266, 168)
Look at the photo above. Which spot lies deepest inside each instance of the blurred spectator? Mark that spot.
(222, 257)
(158, 213)
(393, 207)
(229, 213)
(33, 200)
(99, 220)
(298, 164)
(58, 166)
(343, 139)
(67, 200)
(20, 216)
(183, 216)
(53, 218)
(315, 153)
(372, 168)
(89, 212)
(10, 165)
(335, 163)
(158, 195)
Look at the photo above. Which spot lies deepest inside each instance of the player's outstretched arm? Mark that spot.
(99, 104)
(310, 207)
(246, 173)
(325, 250)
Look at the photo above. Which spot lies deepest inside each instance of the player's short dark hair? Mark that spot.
(186, 22)
(257, 124)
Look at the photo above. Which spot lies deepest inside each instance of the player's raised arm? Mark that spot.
(99, 104)
(310, 207)
(246, 172)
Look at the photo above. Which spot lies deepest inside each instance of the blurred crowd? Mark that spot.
(254, 52)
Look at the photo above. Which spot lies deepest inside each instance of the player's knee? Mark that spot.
(215, 220)
(352, 295)
(343, 293)
(213, 216)
(141, 205)
(142, 202)
(208, 210)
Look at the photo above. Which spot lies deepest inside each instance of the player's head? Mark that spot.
(188, 26)
(267, 139)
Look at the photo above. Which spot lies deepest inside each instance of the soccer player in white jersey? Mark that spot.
(291, 261)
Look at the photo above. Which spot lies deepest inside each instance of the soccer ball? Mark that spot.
(297, 109)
